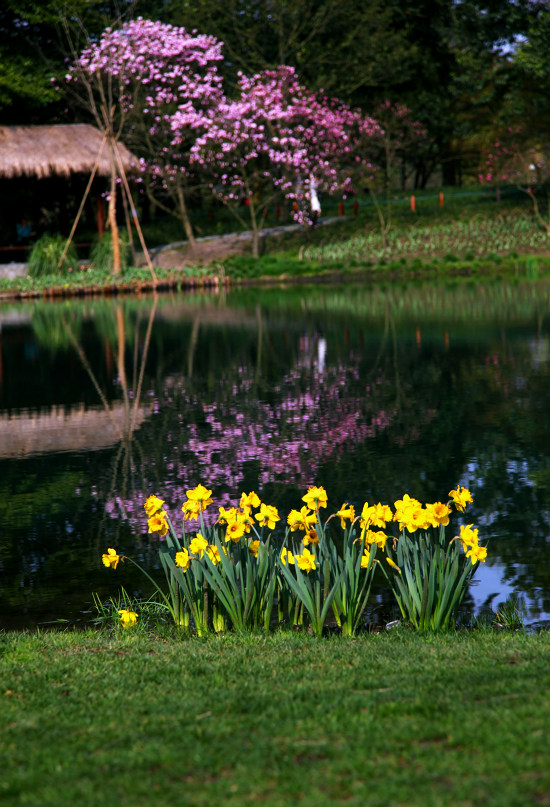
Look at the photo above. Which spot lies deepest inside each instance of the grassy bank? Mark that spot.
(472, 236)
(390, 719)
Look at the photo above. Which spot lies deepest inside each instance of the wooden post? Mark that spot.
(355, 207)
(340, 208)
(441, 199)
(100, 216)
(413, 203)
(278, 211)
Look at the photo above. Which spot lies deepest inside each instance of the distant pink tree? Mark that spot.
(517, 158)
(269, 144)
(136, 77)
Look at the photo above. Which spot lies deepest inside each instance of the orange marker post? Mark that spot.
(441, 199)
(340, 208)
(413, 203)
(355, 207)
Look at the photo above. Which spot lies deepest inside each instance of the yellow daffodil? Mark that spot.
(310, 537)
(110, 558)
(403, 507)
(286, 554)
(438, 513)
(213, 553)
(158, 523)
(153, 504)
(416, 518)
(191, 509)
(468, 537)
(476, 553)
(315, 497)
(235, 531)
(301, 519)
(378, 538)
(198, 545)
(253, 548)
(249, 500)
(461, 497)
(346, 513)
(245, 518)
(365, 557)
(227, 516)
(393, 565)
(183, 560)
(128, 618)
(201, 495)
(268, 516)
(305, 561)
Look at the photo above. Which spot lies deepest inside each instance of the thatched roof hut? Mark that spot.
(61, 149)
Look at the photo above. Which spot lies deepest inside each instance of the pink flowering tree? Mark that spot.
(272, 142)
(523, 161)
(135, 78)
(396, 143)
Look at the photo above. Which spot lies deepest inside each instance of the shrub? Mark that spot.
(46, 253)
(101, 255)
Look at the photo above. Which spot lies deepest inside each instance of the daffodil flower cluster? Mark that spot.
(237, 568)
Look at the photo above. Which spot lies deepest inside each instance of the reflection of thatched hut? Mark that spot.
(50, 164)
(62, 150)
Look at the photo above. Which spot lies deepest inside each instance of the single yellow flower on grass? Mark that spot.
(158, 523)
(128, 618)
(287, 554)
(315, 498)
(198, 545)
(346, 513)
(153, 504)
(110, 558)
(305, 561)
(183, 560)
(253, 548)
(461, 497)
(268, 516)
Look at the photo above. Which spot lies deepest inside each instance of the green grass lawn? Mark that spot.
(127, 718)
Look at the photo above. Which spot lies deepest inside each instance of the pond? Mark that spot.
(368, 390)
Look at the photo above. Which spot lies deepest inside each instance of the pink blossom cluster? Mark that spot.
(277, 140)
(513, 158)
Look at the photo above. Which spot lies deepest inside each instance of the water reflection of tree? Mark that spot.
(508, 445)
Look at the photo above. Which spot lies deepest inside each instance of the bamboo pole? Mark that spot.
(83, 202)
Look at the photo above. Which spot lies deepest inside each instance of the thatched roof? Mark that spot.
(63, 149)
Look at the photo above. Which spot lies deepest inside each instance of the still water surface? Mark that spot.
(370, 391)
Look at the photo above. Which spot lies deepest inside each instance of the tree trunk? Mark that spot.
(115, 237)
(187, 226)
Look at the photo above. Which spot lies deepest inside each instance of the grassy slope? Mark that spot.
(472, 234)
(393, 719)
